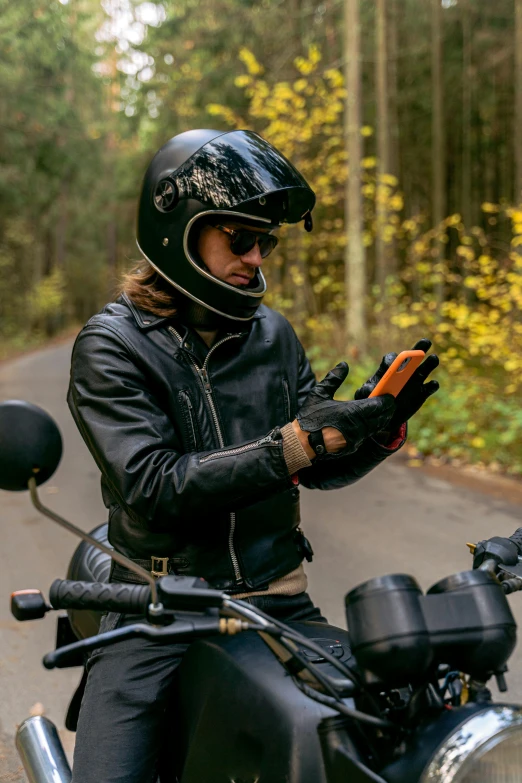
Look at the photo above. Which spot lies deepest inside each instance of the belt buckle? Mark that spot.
(160, 566)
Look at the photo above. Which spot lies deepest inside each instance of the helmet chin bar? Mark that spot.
(205, 272)
(200, 301)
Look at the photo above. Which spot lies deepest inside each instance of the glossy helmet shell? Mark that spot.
(202, 173)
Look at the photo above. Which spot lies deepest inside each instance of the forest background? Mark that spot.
(404, 115)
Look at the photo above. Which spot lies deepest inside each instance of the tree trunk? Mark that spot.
(466, 207)
(355, 267)
(383, 154)
(518, 102)
(438, 156)
(393, 103)
(330, 25)
(61, 225)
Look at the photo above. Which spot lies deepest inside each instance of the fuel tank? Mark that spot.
(240, 718)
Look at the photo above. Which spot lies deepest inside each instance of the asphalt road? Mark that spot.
(397, 520)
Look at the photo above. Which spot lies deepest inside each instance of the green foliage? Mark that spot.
(470, 420)
(54, 185)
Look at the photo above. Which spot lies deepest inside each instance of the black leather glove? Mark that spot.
(415, 392)
(501, 550)
(355, 419)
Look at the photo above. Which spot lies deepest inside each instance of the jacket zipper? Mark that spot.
(286, 392)
(190, 410)
(238, 450)
(203, 376)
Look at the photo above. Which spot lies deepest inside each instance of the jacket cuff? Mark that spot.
(295, 456)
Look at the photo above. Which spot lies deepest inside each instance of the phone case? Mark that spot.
(395, 378)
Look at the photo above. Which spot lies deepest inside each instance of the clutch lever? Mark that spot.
(179, 631)
(510, 577)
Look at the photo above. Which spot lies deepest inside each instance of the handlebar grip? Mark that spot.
(100, 596)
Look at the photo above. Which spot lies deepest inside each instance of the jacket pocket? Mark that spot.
(190, 423)
(286, 399)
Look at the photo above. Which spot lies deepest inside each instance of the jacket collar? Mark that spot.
(145, 320)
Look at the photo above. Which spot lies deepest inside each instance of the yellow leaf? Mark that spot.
(300, 85)
(249, 59)
(389, 179)
(490, 208)
(396, 202)
(242, 80)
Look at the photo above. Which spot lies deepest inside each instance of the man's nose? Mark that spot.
(253, 257)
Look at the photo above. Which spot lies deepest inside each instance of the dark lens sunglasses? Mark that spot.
(242, 241)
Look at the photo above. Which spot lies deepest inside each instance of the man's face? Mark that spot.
(214, 249)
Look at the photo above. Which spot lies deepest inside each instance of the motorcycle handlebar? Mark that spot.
(100, 596)
(509, 581)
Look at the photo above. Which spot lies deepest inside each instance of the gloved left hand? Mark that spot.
(414, 394)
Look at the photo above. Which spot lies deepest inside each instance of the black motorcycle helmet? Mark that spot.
(198, 175)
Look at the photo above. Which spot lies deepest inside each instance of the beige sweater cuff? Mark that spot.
(294, 454)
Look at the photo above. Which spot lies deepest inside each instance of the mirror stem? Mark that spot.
(116, 556)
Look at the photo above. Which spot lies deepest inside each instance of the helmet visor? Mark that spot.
(240, 167)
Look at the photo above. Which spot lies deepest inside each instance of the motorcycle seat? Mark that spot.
(88, 564)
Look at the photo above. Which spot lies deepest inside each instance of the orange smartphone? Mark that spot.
(400, 372)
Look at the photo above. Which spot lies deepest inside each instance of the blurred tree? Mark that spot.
(518, 101)
(355, 267)
(394, 134)
(47, 137)
(467, 84)
(382, 247)
(438, 151)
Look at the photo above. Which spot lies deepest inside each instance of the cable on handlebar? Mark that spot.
(321, 678)
(341, 707)
(241, 606)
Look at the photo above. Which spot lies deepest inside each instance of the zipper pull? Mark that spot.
(205, 380)
(267, 439)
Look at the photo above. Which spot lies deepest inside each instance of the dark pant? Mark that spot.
(122, 717)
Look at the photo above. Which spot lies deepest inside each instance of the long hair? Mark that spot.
(149, 290)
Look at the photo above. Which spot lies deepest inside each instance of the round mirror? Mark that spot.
(30, 445)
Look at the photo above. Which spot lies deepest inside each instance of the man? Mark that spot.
(201, 410)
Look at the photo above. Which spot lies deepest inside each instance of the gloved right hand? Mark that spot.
(355, 419)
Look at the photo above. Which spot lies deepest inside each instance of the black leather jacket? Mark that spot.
(188, 441)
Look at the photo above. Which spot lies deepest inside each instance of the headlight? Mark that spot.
(487, 748)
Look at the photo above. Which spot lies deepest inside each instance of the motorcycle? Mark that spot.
(401, 698)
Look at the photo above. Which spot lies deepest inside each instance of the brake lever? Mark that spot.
(178, 631)
(493, 567)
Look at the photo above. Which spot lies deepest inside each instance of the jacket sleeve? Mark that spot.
(336, 472)
(135, 446)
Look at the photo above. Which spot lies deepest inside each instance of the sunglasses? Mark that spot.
(242, 241)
